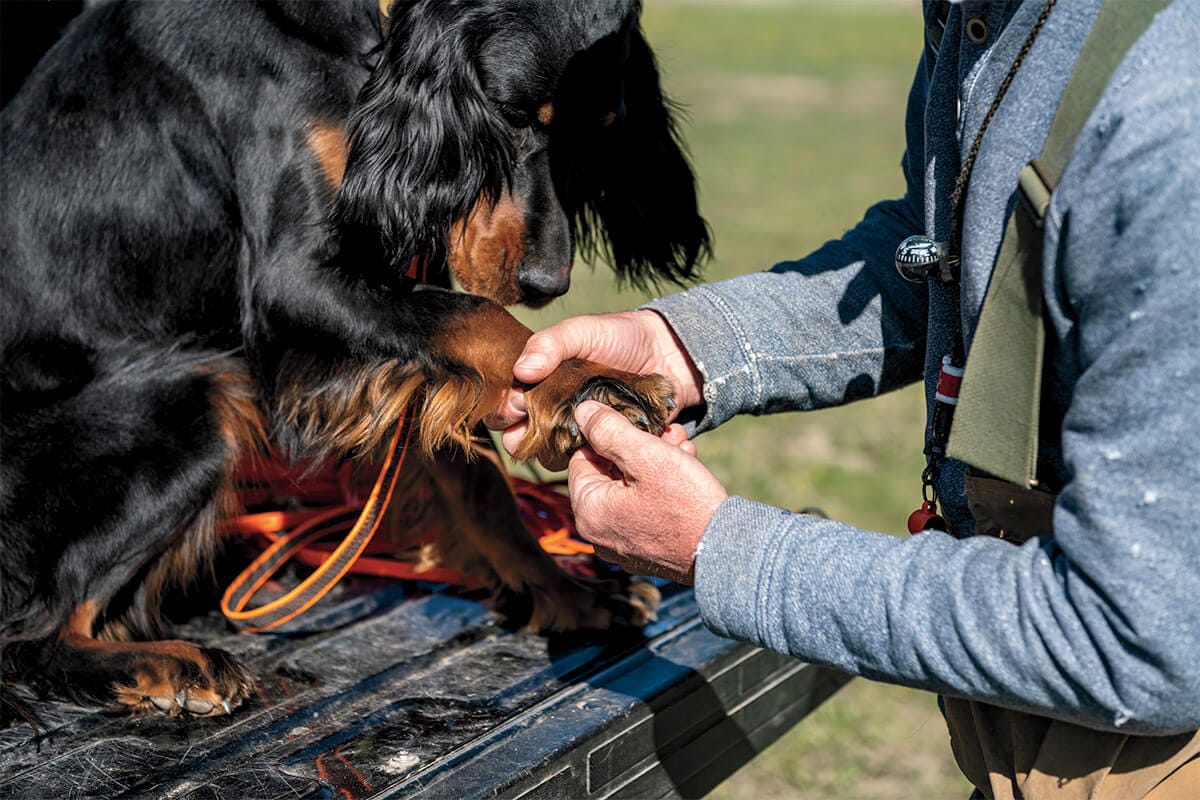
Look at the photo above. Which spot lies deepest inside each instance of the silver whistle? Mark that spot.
(920, 256)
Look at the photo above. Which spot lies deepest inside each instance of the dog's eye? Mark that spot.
(514, 116)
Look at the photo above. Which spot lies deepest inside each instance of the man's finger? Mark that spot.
(674, 434)
(575, 337)
(611, 435)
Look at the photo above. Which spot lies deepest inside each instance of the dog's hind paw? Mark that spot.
(179, 678)
(581, 604)
(643, 602)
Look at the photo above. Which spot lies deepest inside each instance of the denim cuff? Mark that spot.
(718, 345)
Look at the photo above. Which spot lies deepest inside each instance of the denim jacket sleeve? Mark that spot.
(835, 326)
(1097, 625)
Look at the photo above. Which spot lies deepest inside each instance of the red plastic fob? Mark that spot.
(926, 518)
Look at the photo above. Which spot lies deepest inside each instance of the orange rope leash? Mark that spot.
(296, 535)
(317, 585)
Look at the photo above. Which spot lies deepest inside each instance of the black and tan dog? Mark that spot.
(212, 215)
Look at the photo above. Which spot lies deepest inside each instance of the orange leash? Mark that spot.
(547, 513)
(297, 535)
(339, 562)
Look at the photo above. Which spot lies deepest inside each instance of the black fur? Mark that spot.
(166, 224)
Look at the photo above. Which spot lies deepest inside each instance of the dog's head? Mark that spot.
(498, 136)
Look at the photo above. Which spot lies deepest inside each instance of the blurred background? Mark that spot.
(793, 112)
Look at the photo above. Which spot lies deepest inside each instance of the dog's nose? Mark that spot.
(540, 284)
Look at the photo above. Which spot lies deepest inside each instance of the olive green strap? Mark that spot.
(995, 426)
(996, 422)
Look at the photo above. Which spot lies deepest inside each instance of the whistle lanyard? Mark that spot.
(919, 258)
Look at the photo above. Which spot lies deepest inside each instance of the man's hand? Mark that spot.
(642, 500)
(640, 342)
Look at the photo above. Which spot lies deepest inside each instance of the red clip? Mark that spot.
(926, 518)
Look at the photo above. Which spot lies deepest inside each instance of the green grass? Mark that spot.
(794, 118)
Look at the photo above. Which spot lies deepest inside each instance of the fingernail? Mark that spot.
(531, 361)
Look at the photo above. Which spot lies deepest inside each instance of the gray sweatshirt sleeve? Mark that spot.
(1098, 625)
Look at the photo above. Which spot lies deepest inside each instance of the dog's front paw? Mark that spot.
(645, 400)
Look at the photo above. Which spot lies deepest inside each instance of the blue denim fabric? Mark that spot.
(1098, 625)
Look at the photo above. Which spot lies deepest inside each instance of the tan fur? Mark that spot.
(487, 247)
(356, 410)
(236, 409)
(82, 620)
(329, 146)
(352, 412)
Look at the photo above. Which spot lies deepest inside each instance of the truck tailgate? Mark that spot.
(390, 693)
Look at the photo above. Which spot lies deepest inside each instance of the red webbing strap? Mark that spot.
(334, 509)
(339, 562)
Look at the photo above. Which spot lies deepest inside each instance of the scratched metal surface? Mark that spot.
(392, 694)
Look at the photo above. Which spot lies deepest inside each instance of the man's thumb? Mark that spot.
(542, 353)
(606, 431)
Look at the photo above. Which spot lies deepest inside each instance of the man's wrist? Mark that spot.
(688, 380)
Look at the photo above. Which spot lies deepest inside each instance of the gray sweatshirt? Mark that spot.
(1098, 625)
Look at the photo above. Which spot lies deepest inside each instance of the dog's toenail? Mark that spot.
(198, 706)
(643, 420)
(181, 698)
(573, 428)
(670, 404)
(227, 706)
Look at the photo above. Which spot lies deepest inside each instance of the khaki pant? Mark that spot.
(1009, 755)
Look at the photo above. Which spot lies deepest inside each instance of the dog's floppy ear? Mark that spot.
(424, 144)
(633, 194)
